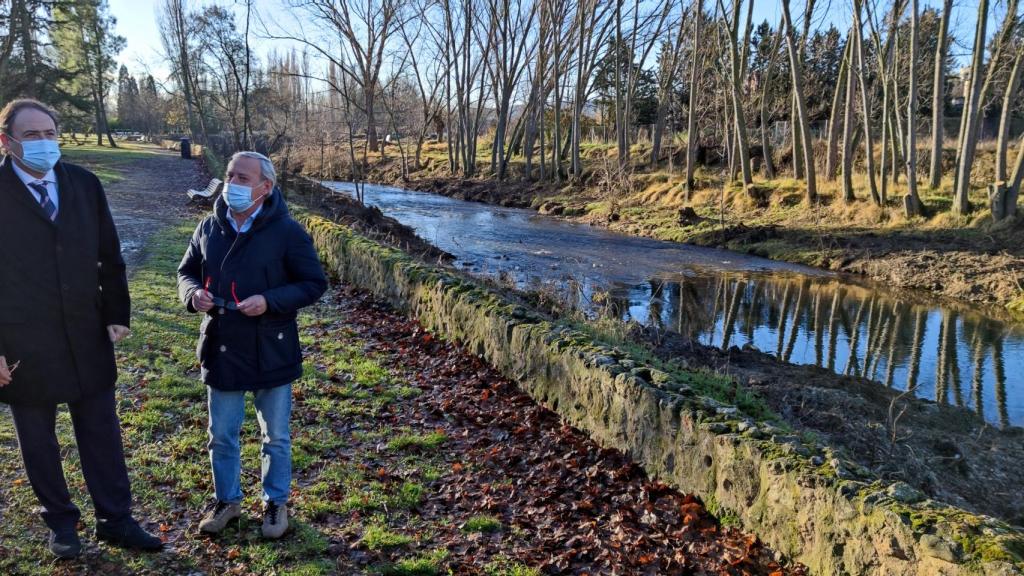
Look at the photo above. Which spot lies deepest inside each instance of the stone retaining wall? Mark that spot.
(797, 496)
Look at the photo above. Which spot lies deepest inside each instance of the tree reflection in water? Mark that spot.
(901, 343)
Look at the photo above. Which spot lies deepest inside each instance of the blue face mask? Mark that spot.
(239, 198)
(39, 155)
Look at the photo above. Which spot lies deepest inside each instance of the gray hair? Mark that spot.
(266, 166)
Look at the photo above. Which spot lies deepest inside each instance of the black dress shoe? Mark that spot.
(127, 534)
(65, 544)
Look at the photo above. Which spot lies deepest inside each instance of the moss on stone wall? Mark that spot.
(794, 493)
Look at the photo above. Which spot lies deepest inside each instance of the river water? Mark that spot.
(952, 353)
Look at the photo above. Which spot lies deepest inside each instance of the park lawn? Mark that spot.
(109, 164)
(356, 481)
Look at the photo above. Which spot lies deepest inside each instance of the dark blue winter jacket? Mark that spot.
(275, 258)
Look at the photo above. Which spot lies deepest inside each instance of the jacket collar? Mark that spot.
(11, 183)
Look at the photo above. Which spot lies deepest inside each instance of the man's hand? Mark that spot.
(253, 305)
(202, 300)
(117, 332)
(5, 372)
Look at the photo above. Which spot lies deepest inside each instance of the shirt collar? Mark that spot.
(248, 220)
(251, 216)
(49, 177)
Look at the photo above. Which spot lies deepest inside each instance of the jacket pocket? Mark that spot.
(278, 345)
(205, 332)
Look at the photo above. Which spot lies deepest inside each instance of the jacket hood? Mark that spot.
(274, 208)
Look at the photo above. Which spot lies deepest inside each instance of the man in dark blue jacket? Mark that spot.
(249, 268)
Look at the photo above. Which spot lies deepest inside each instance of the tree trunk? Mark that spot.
(884, 155)
(577, 105)
(737, 98)
(969, 138)
(620, 113)
(832, 154)
(556, 140)
(766, 145)
(913, 203)
(865, 99)
(795, 136)
(691, 121)
(1012, 84)
(798, 91)
(939, 97)
(851, 82)
(1013, 191)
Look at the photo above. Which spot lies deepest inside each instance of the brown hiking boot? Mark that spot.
(219, 516)
(275, 520)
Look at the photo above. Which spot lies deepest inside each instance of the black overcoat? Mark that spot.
(275, 258)
(61, 284)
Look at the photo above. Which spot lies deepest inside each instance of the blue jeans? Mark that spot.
(273, 411)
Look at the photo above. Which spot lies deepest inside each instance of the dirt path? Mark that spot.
(145, 187)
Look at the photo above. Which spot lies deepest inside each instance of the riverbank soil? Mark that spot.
(959, 258)
(410, 456)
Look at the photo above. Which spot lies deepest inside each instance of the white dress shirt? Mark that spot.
(248, 221)
(50, 179)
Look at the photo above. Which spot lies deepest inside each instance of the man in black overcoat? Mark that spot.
(63, 305)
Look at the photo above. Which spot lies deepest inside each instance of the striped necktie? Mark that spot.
(44, 199)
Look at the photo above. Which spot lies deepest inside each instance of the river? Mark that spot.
(960, 354)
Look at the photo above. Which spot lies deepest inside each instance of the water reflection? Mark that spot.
(900, 339)
(846, 328)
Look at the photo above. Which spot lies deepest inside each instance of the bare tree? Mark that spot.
(848, 108)
(796, 70)
(842, 85)
(176, 32)
(671, 56)
(977, 98)
(1001, 204)
(426, 71)
(736, 91)
(766, 142)
(509, 27)
(912, 203)
(939, 96)
(592, 16)
(363, 30)
(696, 70)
